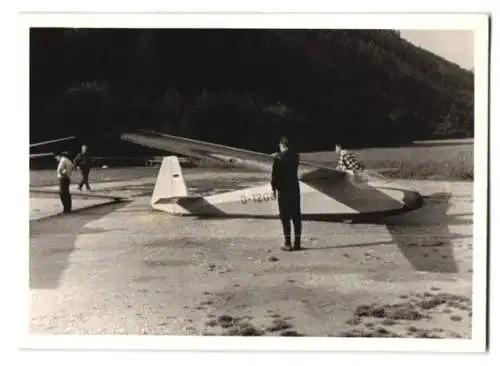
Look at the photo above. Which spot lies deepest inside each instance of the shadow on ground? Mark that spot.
(424, 236)
(48, 262)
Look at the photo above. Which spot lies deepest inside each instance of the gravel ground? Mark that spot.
(124, 269)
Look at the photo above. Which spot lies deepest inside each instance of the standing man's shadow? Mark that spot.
(424, 237)
(52, 241)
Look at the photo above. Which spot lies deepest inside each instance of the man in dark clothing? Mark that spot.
(82, 161)
(285, 181)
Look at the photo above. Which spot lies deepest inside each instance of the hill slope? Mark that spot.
(244, 87)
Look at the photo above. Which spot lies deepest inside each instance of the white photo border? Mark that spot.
(478, 23)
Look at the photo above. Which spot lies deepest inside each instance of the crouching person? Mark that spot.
(347, 161)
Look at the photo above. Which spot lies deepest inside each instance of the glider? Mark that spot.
(41, 155)
(326, 193)
(48, 142)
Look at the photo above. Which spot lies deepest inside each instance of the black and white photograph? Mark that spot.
(323, 181)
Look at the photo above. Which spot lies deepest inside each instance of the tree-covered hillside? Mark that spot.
(245, 87)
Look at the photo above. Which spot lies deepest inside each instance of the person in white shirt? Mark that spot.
(64, 170)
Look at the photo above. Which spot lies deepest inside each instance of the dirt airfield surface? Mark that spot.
(126, 269)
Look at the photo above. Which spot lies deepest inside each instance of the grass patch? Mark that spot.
(431, 303)
(415, 309)
(452, 301)
(415, 332)
(212, 323)
(457, 305)
(235, 327)
(278, 324)
(389, 322)
(291, 333)
(405, 311)
(354, 321)
(226, 321)
(368, 333)
(423, 333)
(244, 329)
(444, 162)
(370, 310)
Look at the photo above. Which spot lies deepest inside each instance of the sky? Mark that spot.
(455, 45)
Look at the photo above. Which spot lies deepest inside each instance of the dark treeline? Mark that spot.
(245, 87)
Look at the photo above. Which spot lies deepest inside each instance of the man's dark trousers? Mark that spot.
(289, 207)
(85, 178)
(65, 194)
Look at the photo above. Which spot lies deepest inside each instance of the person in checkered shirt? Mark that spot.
(347, 161)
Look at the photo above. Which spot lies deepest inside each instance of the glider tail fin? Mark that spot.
(170, 184)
